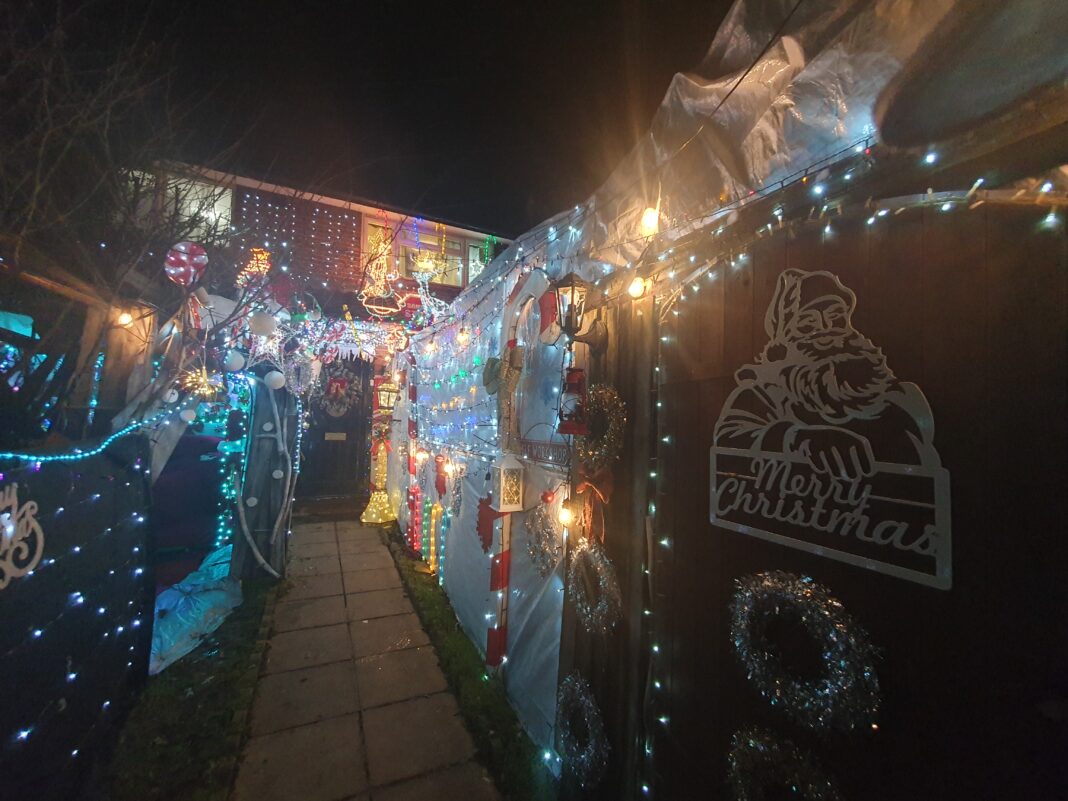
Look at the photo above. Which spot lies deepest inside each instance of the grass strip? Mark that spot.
(504, 747)
(182, 740)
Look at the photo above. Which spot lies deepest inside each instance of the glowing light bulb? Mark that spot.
(650, 221)
(637, 287)
(566, 516)
(125, 319)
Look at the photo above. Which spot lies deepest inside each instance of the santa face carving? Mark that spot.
(812, 445)
(818, 381)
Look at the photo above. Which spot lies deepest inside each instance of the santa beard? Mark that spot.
(839, 376)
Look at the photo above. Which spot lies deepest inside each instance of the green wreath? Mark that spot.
(607, 416)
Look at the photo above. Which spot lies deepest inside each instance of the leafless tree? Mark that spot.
(88, 202)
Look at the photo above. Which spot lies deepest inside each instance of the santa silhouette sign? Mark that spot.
(820, 447)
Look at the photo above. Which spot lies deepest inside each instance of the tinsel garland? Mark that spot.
(594, 589)
(544, 541)
(846, 693)
(760, 762)
(583, 744)
(607, 415)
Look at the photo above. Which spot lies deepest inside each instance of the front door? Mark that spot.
(337, 445)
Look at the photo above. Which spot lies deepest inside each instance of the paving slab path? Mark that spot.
(351, 704)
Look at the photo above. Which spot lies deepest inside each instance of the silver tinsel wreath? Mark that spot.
(846, 693)
(582, 739)
(594, 589)
(758, 760)
(544, 540)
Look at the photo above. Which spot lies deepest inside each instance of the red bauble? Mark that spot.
(185, 263)
(548, 496)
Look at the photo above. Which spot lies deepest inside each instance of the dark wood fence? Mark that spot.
(970, 308)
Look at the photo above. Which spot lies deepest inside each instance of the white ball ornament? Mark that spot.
(277, 474)
(268, 426)
(188, 415)
(262, 324)
(274, 380)
(234, 361)
(170, 396)
(251, 501)
(315, 315)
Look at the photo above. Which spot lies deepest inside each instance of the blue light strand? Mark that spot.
(79, 454)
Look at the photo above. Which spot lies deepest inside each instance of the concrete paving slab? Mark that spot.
(371, 560)
(360, 546)
(377, 603)
(303, 648)
(366, 580)
(381, 634)
(314, 532)
(309, 613)
(315, 566)
(305, 550)
(413, 737)
(466, 782)
(299, 697)
(358, 535)
(319, 762)
(398, 676)
(312, 587)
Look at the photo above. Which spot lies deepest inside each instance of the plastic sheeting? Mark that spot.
(193, 608)
(740, 123)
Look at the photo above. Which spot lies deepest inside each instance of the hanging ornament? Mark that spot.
(262, 324)
(185, 263)
(234, 361)
(583, 742)
(845, 695)
(274, 380)
(188, 415)
(594, 588)
(761, 766)
(544, 538)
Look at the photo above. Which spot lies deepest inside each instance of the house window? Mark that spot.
(474, 262)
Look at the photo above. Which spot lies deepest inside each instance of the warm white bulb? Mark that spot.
(125, 318)
(650, 221)
(566, 517)
(637, 287)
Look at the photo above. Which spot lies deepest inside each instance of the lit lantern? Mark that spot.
(571, 293)
(651, 221)
(507, 484)
(387, 394)
(573, 403)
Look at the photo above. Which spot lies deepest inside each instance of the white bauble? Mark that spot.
(315, 315)
(277, 474)
(274, 380)
(234, 361)
(252, 500)
(268, 426)
(170, 396)
(262, 324)
(188, 415)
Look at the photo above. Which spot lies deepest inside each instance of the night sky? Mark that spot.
(494, 115)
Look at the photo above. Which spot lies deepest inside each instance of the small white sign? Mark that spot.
(336, 436)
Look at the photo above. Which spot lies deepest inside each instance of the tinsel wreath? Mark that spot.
(582, 738)
(845, 694)
(607, 416)
(544, 541)
(594, 589)
(762, 766)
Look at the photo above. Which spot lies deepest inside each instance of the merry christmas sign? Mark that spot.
(820, 447)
